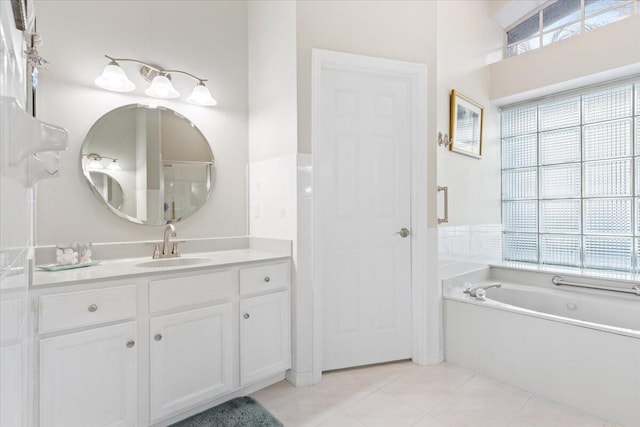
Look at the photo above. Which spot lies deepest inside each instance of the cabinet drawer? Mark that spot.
(72, 310)
(178, 292)
(265, 278)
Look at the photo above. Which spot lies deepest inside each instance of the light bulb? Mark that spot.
(201, 96)
(161, 87)
(114, 79)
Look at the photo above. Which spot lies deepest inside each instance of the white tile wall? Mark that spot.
(477, 243)
(16, 209)
(280, 205)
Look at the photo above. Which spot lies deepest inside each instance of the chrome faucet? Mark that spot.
(169, 231)
(479, 291)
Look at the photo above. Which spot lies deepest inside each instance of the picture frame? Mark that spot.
(465, 125)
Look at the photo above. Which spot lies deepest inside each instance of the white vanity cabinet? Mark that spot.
(191, 352)
(88, 377)
(265, 335)
(159, 347)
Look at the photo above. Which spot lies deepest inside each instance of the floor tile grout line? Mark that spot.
(515, 415)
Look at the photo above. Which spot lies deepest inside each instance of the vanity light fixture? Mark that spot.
(95, 162)
(114, 78)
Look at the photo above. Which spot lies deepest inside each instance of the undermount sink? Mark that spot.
(172, 262)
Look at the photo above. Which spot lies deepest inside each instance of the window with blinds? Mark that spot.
(571, 180)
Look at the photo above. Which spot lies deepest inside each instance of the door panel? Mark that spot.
(365, 178)
(89, 378)
(191, 358)
(264, 336)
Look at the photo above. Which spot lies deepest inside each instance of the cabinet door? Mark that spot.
(89, 378)
(191, 358)
(264, 336)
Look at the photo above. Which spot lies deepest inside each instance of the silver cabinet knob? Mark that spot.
(403, 232)
(267, 279)
(246, 315)
(93, 308)
(130, 343)
(158, 337)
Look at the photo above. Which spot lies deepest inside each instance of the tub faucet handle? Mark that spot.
(467, 287)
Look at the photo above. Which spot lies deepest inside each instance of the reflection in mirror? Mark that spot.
(108, 187)
(161, 162)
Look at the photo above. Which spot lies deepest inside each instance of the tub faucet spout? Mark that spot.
(474, 291)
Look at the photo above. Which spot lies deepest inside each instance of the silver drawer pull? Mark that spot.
(267, 279)
(130, 343)
(246, 315)
(158, 337)
(93, 308)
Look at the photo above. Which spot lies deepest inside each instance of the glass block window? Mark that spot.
(563, 19)
(571, 179)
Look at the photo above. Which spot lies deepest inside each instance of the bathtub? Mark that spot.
(576, 346)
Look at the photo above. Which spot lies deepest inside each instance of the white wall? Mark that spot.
(272, 79)
(208, 39)
(468, 41)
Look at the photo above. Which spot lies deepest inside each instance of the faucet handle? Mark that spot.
(174, 248)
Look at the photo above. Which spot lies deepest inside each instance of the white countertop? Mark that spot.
(127, 268)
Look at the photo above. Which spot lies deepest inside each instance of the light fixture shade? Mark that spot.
(114, 166)
(161, 87)
(201, 96)
(114, 79)
(94, 163)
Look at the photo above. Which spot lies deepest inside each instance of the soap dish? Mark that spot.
(56, 267)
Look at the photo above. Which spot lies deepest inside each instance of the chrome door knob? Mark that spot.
(246, 315)
(131, 343)
(93, 308)
(403, 232)
(158, 337)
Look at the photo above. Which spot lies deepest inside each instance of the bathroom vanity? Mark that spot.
(138, 342)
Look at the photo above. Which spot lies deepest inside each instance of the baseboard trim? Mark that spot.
(300, 379)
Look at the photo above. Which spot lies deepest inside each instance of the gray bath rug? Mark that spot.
(239, 412)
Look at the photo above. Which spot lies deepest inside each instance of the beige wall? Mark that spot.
(208, 39)
(598, 55)
(401, 30)
(468, 41)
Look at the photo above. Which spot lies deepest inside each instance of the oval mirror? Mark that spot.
(160, 163)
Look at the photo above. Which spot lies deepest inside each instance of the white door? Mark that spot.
(191, 358)
(264, 336)
(89, 378)
(364, 172)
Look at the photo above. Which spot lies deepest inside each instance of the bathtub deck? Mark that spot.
(404, 394)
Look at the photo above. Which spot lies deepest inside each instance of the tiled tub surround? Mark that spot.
(576, 346)
(156, 344)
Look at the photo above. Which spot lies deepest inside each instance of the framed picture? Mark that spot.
(465, 125)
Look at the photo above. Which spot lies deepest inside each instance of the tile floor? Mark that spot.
(404, 394)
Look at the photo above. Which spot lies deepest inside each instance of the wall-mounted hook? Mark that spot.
(443, 139)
